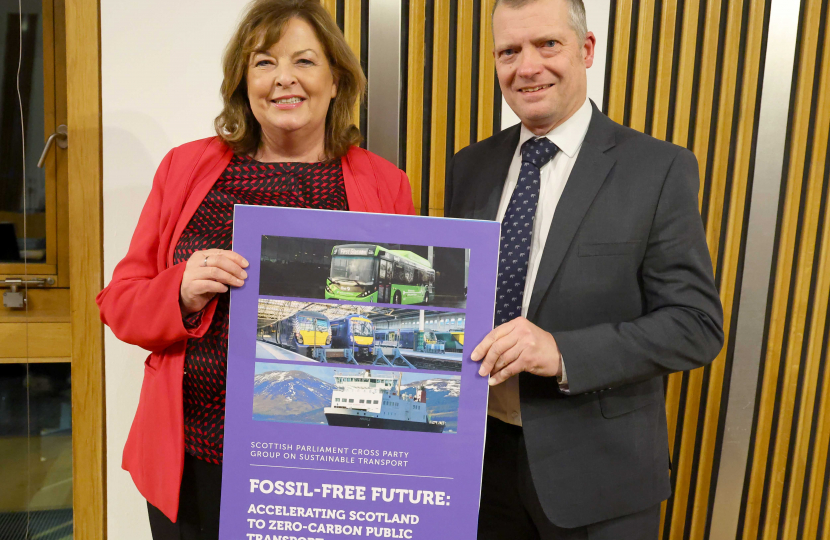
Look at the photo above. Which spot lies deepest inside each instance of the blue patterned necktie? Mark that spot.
(517, 229)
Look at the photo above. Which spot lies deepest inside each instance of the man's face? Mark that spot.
(540, 62)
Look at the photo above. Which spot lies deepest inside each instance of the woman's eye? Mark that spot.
(305, 62)
(262, 63)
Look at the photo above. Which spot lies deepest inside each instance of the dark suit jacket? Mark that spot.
(625, 286)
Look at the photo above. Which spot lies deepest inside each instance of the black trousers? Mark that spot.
(510, 508)
(198, 504)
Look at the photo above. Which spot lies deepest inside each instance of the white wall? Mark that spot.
(161, 70)
(597, 12)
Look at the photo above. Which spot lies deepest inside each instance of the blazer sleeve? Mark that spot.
(403, 202)
(683, 325)
(141, 303)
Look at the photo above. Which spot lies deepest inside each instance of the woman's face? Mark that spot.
(291, 84)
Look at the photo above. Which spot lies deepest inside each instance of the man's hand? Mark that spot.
(516, 346)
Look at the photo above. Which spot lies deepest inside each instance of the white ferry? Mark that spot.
(375, 401)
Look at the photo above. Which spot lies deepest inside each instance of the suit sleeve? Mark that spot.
(683, 325)
(141, 304)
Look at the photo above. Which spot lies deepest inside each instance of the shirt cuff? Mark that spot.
(562, 378)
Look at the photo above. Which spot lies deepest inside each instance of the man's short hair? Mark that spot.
(575, 7)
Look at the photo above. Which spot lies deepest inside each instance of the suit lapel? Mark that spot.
(491, 183)
(587, 176)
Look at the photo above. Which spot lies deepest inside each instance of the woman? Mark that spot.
(285, 138)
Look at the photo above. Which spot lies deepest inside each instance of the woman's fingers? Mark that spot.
(215, 273)
(209, 257)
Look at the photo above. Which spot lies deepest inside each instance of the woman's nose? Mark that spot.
(284, 77)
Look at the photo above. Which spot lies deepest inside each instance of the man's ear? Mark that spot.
(588, 49)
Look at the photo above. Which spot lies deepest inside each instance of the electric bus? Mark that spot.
(372, 273)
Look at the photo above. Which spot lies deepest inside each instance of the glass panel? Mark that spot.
(22, 238)
(35, 452)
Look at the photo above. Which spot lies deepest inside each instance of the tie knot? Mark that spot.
(538, 151)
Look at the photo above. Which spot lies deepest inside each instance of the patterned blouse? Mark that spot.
(244, 181)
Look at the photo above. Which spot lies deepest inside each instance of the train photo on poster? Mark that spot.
(302, 332)
(372, 273)
(353, 332)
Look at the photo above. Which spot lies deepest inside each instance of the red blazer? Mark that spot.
(141, 303)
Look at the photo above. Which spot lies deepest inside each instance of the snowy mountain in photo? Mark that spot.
(289, 393)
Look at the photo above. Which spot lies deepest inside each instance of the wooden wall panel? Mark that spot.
(688, 71)
(787, 469)
(451, 96)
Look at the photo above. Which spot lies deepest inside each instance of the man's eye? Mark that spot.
(508, 52)
(550, 43)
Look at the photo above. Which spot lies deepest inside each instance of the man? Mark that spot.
(605, 286)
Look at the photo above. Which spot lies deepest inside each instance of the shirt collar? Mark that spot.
(568, 135)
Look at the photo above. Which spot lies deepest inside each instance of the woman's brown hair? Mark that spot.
(261, 27)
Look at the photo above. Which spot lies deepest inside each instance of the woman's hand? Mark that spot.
(208, 273)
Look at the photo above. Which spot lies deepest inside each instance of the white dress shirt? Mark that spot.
(568, 137)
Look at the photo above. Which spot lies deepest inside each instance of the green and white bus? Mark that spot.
(372, 273)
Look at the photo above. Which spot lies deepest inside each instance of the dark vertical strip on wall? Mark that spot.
(750, 464)
(632, 58)
(404, 90)
(701, 30)
(496, 106)
(452, 60)
(609, 54)
(730, 352)
(678, 37)
(427, 117)
(340, 14)
(656, 39)
(364, 63)
(713, 121)
(474, 70)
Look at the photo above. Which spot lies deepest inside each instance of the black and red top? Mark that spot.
(245, 181)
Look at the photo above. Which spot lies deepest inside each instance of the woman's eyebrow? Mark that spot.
(298, 53)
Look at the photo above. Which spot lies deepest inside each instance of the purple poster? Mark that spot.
(353, 408)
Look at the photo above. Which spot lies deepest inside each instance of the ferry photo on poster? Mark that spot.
(359, 334)
(358, 398)
(364, 272)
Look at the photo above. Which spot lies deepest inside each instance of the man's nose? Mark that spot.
(530, 63)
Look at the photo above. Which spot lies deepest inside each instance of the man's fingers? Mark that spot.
(499, 377)
(506, 358)
(481, 349)
(496, 352)
(496, 333)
